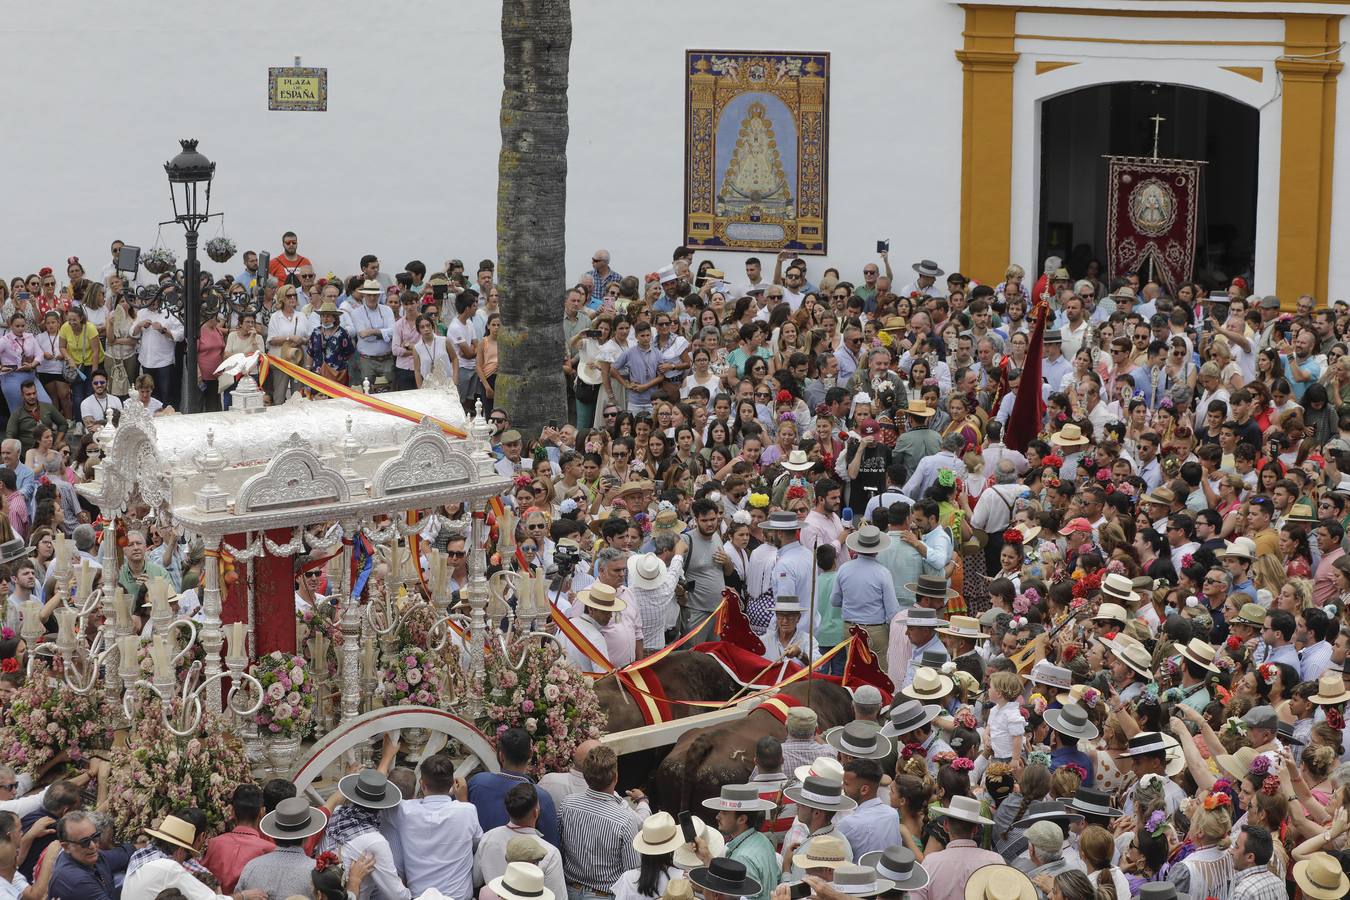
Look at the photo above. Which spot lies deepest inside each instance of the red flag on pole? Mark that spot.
(1028, 410)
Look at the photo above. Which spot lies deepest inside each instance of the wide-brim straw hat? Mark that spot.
(660, 833)
(1238, 763)
(602, 597)
(797, 462)
(826, 767)
(964, 627)
(1118, 589)
(1242, 548)
(370, 286)
(1069, 436)
(1330, 690)
(928, 684)
(521, 881)
(176, 831)
(823, 852)
(919, 408)
(1321, 877)
(967, 809)
(685, 857)
(1201, 653)
(999, 882)
(646, 571)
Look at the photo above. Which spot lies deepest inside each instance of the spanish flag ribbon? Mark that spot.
(583, 643)
(671, 648)
(331, 388)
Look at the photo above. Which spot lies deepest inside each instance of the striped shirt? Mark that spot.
(597, 839)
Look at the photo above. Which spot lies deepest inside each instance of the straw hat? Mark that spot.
(602, 597)
(176, 831)
(678, 889)
(1111, 612)
(1069, 436)
(521, 881)
(920, 408)
(1330, 690)
(826, 767)
(1250, 614)
(824, 852)
(370, 286)
(1201, 653)
(797, 461)
(1051, 675)
(1238, 763)
(964, 627)
(646, 571)
(1242, 548)
(999, 882)
(967, 809)
(928, 684)
(1120, 590)
(659, 834)
(1162, 496)
(685, 857)
(1321, 877)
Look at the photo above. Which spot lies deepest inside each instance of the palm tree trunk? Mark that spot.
(531, 211)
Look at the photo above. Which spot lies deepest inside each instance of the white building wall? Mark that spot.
(1197, 65)
(404, 163)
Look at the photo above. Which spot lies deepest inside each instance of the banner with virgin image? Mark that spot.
(1151, 218)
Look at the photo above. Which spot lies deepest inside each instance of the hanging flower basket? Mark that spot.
(159, 260)
(220, 249)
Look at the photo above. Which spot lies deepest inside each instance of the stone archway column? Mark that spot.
(987, 62)
(1309, 69)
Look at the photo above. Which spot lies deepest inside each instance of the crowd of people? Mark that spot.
(1118, 648)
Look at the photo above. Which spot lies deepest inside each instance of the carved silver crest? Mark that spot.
(427, 461)
(296, 477)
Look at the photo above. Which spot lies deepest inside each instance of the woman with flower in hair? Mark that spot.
(1010, 558)
(954, 515)
(785, 439)
(1202, 866)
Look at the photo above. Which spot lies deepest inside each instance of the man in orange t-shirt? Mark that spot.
(288, 261)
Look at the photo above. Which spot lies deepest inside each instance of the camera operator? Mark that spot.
(567, 577)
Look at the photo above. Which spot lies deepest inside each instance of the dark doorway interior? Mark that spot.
(1081, 127)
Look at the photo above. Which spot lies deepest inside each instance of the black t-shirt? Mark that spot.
(871, 478)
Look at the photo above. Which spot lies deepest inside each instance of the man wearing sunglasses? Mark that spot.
(83, 869)
(307, 584)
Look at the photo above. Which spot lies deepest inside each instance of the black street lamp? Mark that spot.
(190, 176)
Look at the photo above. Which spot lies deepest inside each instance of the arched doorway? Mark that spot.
(1079, 128)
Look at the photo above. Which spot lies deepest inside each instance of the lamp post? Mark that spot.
(190, 175)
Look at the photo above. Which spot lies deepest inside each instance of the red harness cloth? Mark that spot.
(655, 708)
(778, 706)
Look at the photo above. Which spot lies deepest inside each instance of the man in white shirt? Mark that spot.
(1090, 389)
(98, 406)
(926, 283)
(1074, 329)
(159, 866)
(160, 334)
(597, 610)
(354, 829)
(495, 848)
(374, 336)
(434, 838)
(561, 785)
(460, 334)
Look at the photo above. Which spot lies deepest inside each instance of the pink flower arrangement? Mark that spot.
(44, 719)
(156, 772)
(411, 677)
(546, 696)
(291, 693)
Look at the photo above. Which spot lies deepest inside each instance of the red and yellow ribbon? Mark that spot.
(331, 388)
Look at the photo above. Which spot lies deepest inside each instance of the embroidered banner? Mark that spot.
(756, 140)
(1152, 206)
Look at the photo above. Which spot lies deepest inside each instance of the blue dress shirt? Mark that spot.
(487, 792)
(865, 592)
